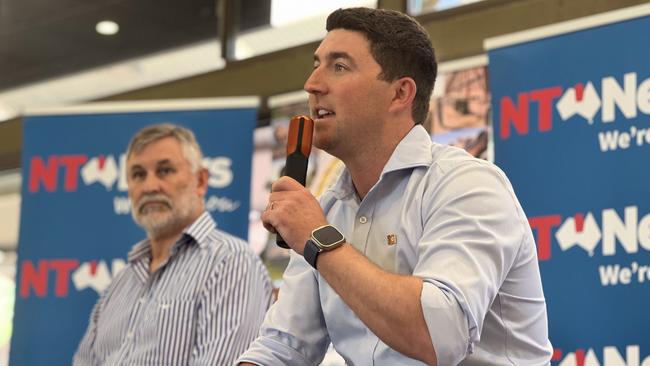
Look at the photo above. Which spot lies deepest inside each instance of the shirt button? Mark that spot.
(129, 335)
(363, 219)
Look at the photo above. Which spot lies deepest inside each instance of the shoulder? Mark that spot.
(220, 240)
(228, 250)
(452, 163)
(455, 177)
(447, 157)
(220, 245)
(122, 281)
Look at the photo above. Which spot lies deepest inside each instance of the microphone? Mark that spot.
(301, 130)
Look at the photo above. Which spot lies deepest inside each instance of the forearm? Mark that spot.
(389, 304)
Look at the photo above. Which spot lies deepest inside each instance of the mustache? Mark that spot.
(158, 198)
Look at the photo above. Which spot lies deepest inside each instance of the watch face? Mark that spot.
(328, 236)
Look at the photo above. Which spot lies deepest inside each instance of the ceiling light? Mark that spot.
(107, 27)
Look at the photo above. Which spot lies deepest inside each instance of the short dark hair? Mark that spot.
(399, 44)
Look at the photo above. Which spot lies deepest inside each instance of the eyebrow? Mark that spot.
(163, 162)
(158, 163)
(336, 55)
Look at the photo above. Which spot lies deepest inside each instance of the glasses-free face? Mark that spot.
(165, 194)
(347, 99)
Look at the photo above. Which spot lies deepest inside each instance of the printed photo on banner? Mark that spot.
(460, 109)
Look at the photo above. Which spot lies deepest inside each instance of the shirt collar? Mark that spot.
(200, 228)
(140, 250)
(196, 232)
(414, 150)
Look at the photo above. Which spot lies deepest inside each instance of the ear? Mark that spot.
(202, 181)
(404, 94)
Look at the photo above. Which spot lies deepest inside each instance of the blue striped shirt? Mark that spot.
(203, 306)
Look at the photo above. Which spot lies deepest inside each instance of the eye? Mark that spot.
(137, 175)
(339, 67)
(163, 171)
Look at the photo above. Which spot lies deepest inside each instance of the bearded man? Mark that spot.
(190, 294)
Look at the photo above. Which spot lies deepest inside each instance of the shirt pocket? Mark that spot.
(175, 330)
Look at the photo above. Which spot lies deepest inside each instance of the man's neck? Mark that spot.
(366, 166)
(365, 172)
(161, 245)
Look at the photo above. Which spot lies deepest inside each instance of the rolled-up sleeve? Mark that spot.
(293, 332)
(472, 229)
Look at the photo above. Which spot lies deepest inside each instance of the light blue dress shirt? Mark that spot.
(458, 226)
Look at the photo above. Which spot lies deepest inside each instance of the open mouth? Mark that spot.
(322, 113)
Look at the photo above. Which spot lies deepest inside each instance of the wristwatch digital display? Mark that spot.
(322, 239)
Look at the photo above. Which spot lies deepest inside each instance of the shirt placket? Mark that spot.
(362, 225)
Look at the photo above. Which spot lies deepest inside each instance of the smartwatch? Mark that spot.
(322, 239)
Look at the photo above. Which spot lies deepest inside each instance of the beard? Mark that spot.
(159, 216)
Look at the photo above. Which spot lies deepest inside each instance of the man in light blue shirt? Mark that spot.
(419, 253)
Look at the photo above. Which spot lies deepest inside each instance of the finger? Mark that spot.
(286, 184)
(270, 216)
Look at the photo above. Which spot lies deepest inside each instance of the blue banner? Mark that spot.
(76, 227)
(572, 132)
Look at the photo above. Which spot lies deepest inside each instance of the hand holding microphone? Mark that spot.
(301, 130)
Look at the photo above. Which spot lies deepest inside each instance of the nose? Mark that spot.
(315, 84)
(150, 184)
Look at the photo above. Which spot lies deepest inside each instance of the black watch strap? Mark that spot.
(311, 253)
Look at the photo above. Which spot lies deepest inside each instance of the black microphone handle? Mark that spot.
(296, 168)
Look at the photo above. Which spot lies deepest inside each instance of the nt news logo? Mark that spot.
(37, 278)
(64, 173)
(602, 234)
(46, 173)
(585, 100)
(609, 356)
